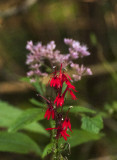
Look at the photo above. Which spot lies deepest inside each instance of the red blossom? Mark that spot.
(49, 112)
(59, 100)
(61, 132)
(55, 82)
(72, 94)
(58, 80)
(66, 124)
(70, 86)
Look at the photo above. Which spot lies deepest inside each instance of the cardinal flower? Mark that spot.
(72, 94)
(64, 77)
(55, 82)
(59, 100)
(49, 112)
(58, 79)
(66, 124)
(70, 86)
(61, 132)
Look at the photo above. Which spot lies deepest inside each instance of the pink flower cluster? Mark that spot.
(39, 53)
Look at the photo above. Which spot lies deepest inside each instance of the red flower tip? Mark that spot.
(61, 132)
(55, 82)
(49, 112)
(64, 134)
(72, 94)
(50, 128)
(59, 100)
(70, 86)
(66, 124)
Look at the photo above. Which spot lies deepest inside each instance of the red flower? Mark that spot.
(66, 124)
(64, 76)
(70, 86)
(49, 112)
(55, 82)
(59, 100)
(72, 94)
(58, 80)
(61, 132)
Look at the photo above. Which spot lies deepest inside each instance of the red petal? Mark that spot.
(50, 128)
(73, 95)
(49, 114)
(46, 114)
(66, 134)
(68, 76)
(65, 138)
(52, 114)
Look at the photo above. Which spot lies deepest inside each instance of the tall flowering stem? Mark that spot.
(38, 54)
(55, 108)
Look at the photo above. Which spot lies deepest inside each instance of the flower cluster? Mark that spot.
(62, 122)
(36, 59)
(39, 53)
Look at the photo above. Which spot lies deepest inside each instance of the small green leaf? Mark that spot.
(38, 87)
(43, 87)
(27, 117)
(93, 125)
(25, 79)
(18, 143)
(47, 150)
(37, 103)
(64, 87)
(79, 109)
(78, 137)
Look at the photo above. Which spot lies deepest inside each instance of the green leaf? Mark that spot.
(18, 143)
(36, 127)
(9, 114)
(43, 87)
(78, 109)
(37, 103)
(25, 79)
(93, 125)
(47, 150)
(78, 137)
(27, 117)
(38, 87)
(64, 87)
